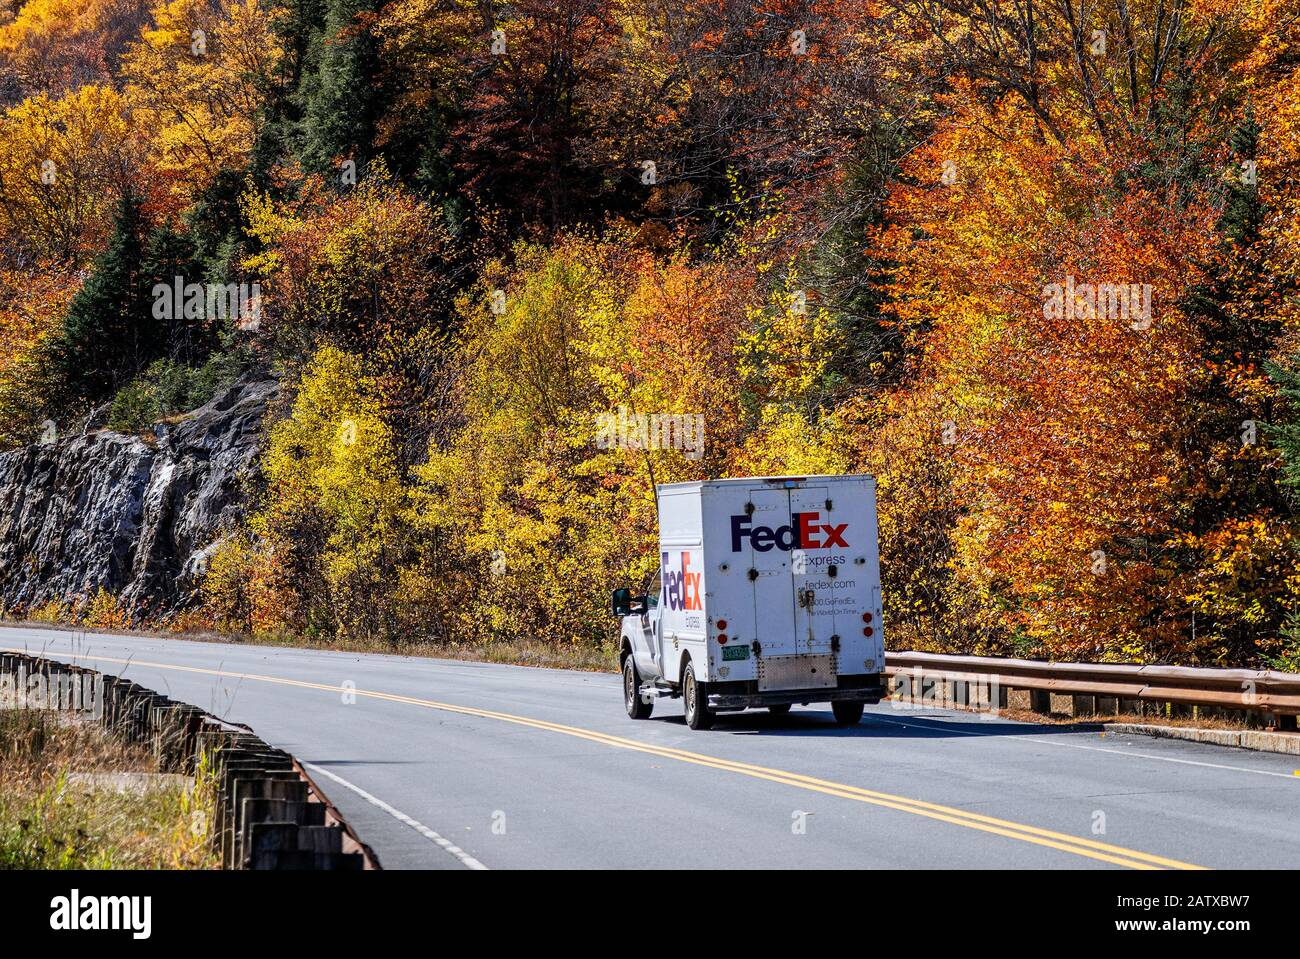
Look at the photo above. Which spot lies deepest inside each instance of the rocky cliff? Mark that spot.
(134, 517)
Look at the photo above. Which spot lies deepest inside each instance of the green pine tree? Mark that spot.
(342, 100)
(111, 332)
(103, 342)
(1284, 435)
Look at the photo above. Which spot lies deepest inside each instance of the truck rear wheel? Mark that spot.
(698, 714)
(847, 713)
(637, 707)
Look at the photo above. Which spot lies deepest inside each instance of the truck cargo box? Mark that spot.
(768, 594)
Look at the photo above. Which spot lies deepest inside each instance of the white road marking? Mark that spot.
(468, 861)
(1098, 749)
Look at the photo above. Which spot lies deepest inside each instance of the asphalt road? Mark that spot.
(443, 764)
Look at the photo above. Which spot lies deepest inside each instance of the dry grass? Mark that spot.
(44, 824)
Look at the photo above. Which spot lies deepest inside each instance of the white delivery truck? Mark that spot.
(767, 594)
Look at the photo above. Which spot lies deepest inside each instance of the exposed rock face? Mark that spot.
(112, 511)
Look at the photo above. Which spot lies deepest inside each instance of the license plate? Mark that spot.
(735, 652)
(796, 672)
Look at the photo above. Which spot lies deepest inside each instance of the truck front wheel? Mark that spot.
(637, 707)
(846, 713)
(698, 714)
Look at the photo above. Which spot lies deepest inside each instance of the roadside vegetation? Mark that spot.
(1037, 275)
(51, 817)
(516, 652)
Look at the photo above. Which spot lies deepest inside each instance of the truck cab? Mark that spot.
(767, 594)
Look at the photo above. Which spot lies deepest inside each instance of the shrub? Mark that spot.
(133, 409)
(104, 611)
(168, 388)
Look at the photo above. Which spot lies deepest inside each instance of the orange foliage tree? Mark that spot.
(1090, 461)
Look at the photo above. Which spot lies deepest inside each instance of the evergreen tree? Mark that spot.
(1238, 332)
(169, 255)
(342, 100)
(104, 341)
(297, 25)
(214, 225)
(111, 333)
(1242, 210)
(1285, 435)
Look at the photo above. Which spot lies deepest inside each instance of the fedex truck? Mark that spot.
(767, 595)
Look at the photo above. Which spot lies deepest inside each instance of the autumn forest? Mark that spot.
(1033, 265)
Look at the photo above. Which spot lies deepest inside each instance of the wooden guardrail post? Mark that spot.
(269, 813)
(1083, 705)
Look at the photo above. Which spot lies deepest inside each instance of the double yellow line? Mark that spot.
(1089, 848)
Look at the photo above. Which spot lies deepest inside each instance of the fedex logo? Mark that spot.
(806, 532)
(681, 586)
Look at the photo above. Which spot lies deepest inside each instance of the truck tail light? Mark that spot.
(866, 617)
(722, 637)
(722, 624)
(867, 630)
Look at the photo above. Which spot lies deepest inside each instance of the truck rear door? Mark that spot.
(769, 569)
(817, 568)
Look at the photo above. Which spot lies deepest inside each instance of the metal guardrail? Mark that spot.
(269, 814)
(912, 674)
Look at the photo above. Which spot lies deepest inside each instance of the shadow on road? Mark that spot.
(900, 725)
(364, 762)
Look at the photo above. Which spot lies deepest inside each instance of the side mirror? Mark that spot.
(622, 602)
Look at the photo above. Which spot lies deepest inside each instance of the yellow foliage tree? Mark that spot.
(64, 162)
(605, 367)
(332, 530)
(198, 80)
(53, 46)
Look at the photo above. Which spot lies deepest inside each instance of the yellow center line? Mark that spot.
(1092, 849)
